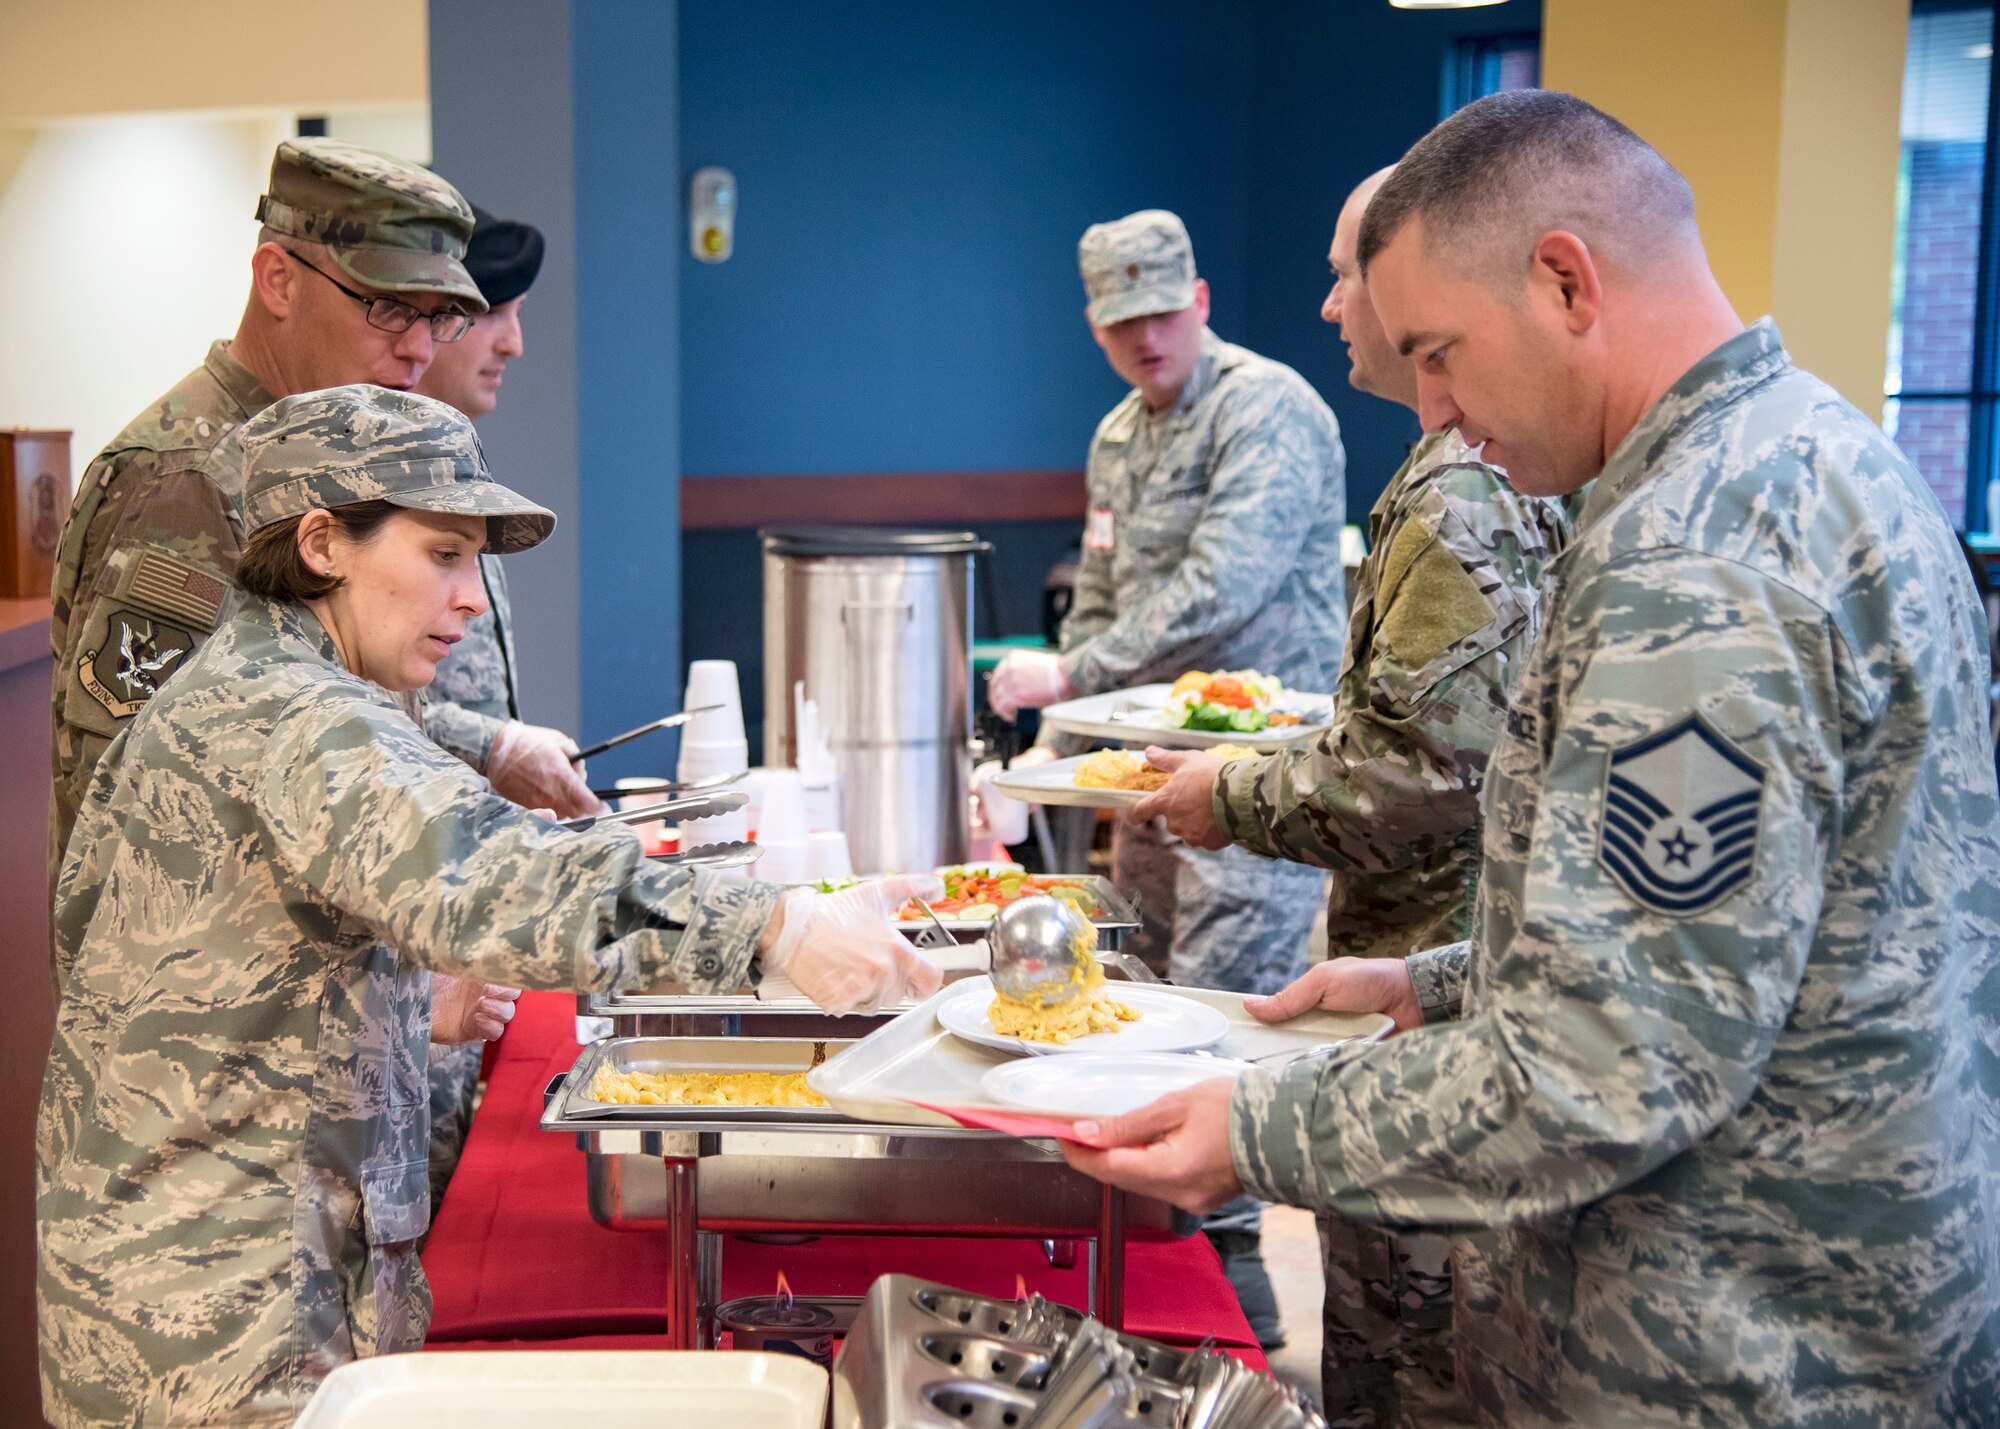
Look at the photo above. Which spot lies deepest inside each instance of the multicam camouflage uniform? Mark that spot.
(150, 547)
(1718, 1120)
(1214, 543)
(145, 562)
(231, 1148)
(1388, 798)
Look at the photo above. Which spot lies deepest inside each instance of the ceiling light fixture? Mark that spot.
(1442, 4)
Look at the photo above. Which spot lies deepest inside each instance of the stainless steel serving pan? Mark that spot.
(813, 1168)
(665, 1013)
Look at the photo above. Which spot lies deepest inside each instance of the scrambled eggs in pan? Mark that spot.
(704, 1088)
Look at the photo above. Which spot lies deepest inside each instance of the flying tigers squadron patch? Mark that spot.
(1680, 819)
(138, 653)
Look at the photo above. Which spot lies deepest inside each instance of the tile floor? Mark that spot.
(1291, 1257)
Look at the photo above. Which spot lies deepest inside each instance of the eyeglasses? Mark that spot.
(394, 315)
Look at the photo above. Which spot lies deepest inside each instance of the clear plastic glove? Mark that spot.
(530, 764)
(843, 951)
(464, 1010)
(1027, 680)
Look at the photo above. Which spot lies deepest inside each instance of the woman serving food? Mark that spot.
(272, 858)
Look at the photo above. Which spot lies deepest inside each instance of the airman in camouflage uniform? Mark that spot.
(1711, 1098)
(1212, 542)
(150, 547)
(1718, 1103)
(271, 856)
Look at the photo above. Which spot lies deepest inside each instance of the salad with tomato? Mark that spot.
(973, 894)
(1226, 702)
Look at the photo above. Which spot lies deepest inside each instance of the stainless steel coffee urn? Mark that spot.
(878, 624)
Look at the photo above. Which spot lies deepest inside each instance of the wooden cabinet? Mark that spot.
(34, 499)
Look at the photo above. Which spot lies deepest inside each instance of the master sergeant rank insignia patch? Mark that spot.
(1680, 818)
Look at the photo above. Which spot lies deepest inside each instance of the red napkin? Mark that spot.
(1021, 1124)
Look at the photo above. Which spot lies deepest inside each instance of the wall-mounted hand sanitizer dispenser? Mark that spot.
(712, 214)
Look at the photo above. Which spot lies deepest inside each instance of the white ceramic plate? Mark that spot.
(1055, 783)
(1167, 1022)
(1100, 1084)
(1133, 716)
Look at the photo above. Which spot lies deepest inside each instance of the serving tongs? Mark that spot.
(730, 853)
(638, 788)
(617, 739)
(701, 806)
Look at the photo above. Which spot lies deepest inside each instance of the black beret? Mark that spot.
(503, 256)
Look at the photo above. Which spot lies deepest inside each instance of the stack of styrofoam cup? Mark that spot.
(713, 744)
(781, 829)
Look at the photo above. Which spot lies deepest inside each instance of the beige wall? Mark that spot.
(132, 152)
(71, 58)
(1784, 116)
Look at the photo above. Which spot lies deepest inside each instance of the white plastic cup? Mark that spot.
(781, 814)
(827, 853)
(823, 812)
(713, 682)
(705, 758)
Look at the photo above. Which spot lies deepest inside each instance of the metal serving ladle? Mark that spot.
(1041, 947)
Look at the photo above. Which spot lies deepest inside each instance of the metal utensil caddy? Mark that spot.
(700, 1173)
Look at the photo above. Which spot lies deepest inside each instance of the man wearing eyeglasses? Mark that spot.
(357, 277)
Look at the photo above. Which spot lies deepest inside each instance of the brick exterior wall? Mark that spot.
(1940, 277)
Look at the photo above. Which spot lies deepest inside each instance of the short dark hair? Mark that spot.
(272, 567)
(1494, 177)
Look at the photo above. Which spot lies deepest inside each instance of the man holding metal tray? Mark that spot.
(1708, 1100)
(1216, 501)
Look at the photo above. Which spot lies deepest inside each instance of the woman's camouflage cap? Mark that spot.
(392, 225)
(346, 445)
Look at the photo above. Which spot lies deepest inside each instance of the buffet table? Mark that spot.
(516, 1261)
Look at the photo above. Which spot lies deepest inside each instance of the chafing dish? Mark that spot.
(695, 1173)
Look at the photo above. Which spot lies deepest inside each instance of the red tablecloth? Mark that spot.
(514, 1255)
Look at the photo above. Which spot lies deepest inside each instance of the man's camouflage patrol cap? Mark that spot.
(1136, 266)
(346, 445)
(390, 224)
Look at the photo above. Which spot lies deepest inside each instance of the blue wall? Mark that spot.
(629, 220)
(1342, 87)
(903, 294)
(913, 180)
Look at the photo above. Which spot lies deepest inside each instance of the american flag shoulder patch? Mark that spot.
(161, 583)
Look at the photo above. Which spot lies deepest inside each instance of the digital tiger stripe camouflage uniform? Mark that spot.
(1719, 1135)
